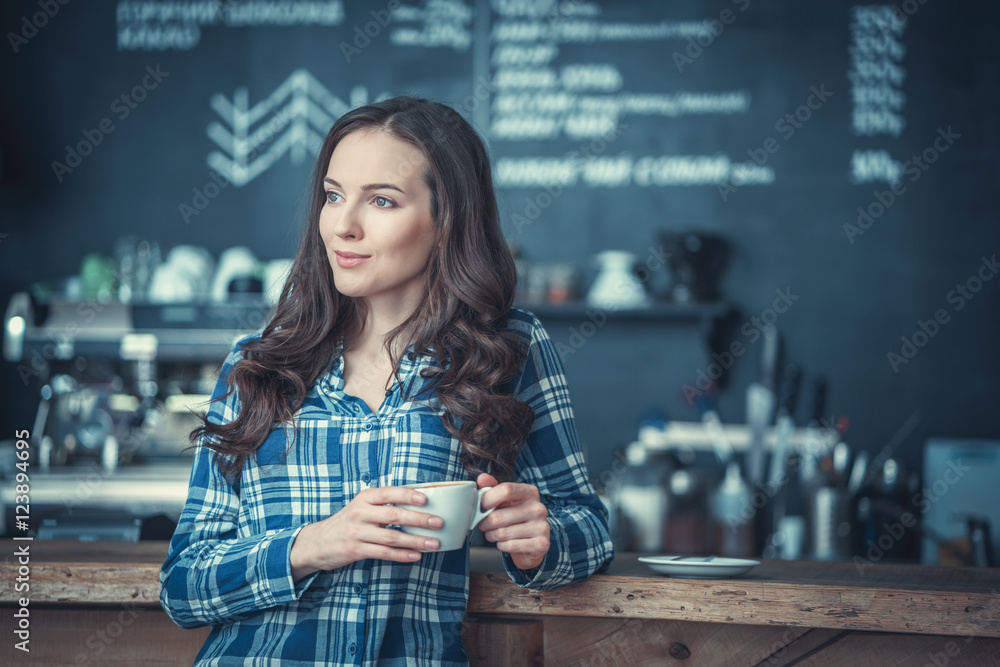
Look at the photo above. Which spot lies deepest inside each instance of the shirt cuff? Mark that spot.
(279, 584)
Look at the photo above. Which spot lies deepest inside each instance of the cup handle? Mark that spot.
(480, 512)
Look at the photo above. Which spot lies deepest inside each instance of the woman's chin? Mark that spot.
(348, 284)
(354, 293)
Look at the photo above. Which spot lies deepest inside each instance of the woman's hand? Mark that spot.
(519, 525)
(359, 531)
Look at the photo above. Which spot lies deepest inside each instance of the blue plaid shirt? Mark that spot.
(228, 564)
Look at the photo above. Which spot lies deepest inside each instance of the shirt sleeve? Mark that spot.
(552, 460)
(211, 575)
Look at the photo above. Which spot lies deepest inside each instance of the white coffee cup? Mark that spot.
(458, 504)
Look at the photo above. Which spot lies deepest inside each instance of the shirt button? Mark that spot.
(366, 478)
(352, 649)
(368, 426)
(358, 588)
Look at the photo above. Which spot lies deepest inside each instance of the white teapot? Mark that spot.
(616, 285)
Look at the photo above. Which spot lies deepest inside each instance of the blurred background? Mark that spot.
(762, 235)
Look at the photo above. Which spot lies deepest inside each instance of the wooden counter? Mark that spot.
(779, 613)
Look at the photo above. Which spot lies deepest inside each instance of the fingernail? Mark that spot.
(418, 498)
(431, 544)
(435, 522)
(413, 555)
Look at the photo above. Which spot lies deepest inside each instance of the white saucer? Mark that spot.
(699, 567)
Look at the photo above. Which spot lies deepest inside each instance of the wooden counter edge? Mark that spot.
(734, 601)
(90, 583)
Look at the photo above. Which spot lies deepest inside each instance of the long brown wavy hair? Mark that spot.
(461, 321)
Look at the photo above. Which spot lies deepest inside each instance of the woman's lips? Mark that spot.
(349, 259)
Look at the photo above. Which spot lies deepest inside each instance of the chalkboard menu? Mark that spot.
(847, 152)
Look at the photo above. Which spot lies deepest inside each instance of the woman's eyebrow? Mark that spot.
(368, 186)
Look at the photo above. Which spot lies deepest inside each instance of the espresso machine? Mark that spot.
(110, 392)
(120, 388)
(697, 261)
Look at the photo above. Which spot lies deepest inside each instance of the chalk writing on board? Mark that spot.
(623, 169)
(440, 23)
(162, 25)
(547, 115)
(539, 97)
(876, 75)
(293, 119)
(870, 166)
(585, 31)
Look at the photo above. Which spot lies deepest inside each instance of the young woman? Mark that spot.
(394, 357)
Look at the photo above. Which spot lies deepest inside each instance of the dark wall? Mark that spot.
(855, 300)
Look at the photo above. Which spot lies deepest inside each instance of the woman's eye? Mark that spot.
(332, 197)
(383, 202)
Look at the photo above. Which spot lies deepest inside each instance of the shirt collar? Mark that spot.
(410, 365)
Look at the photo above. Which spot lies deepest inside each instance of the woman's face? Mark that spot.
(376, 222)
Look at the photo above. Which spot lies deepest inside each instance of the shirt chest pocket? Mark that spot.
(424, 451)
(296, 484)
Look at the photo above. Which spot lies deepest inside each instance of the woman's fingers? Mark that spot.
(389, 505)
(526, 553)
(485, 479)
(528, 561)
(519, 525)
(391, 515)
(396, 539)
(508, 518)
(514, 514)
(534, 545)
(358, 531)
(360, 540)
(394, 495)
(509, 493)
(517, 531)
(382, 552)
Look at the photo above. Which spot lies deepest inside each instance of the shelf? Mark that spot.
(195, 332)
(206, 331)
(657, 312)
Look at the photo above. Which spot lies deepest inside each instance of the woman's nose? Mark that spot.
(348, 224)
